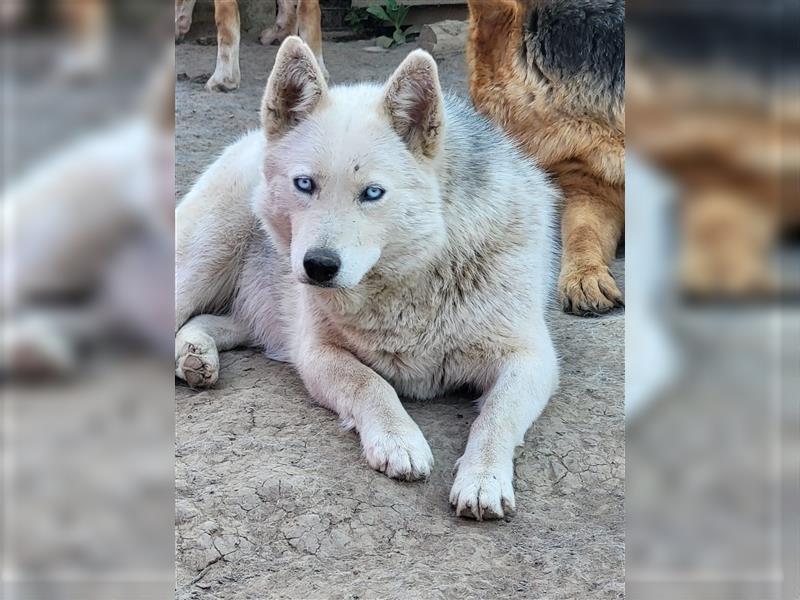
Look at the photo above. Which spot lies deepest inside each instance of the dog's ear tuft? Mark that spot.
(294, 88)
(414, 104)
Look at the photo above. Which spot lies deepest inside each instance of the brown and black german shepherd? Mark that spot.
(552, 74)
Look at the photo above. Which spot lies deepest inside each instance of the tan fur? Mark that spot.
(584, 151)
(226, 18)
(309, 19)
(734, 164)
(296, 17)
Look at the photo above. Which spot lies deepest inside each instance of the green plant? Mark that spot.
(392, 14)
(356, 18)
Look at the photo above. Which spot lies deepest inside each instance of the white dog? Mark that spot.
(384, 240)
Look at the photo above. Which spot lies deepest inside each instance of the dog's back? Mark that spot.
(580, 45)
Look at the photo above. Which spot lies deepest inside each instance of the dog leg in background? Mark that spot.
(226, 76)
(285, 24)
(484, 484)
(591, 226)
(198, 344)
(309, 28)
(183, 17)
(391, 440)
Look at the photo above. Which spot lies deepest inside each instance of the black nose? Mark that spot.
(321, 265)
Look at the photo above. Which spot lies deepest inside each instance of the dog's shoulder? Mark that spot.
(480, 158)
(487, 179)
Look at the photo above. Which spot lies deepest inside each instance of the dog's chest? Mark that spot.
(423, 343)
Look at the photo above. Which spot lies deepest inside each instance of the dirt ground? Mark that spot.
(273, 499)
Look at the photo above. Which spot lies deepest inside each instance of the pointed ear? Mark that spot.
(414, 104)
(294, 88)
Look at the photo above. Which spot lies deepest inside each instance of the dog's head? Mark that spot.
(350, 171)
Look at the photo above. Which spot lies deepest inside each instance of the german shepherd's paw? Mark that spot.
(197, 363)
(588, 290)
(399, 455)
(482, 491)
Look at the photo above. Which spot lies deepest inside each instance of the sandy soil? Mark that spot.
(273, 499)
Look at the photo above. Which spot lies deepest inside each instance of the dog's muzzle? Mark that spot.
(321, 265)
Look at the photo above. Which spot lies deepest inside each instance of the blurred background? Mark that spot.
(712, 313)
(87, 299)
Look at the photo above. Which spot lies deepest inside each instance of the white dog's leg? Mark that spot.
(483, 487)
(198, 344)
(392, 442)
(226, 75)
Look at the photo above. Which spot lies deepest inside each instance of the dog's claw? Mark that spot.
(399, 456)
(589, 291)
(482, 493)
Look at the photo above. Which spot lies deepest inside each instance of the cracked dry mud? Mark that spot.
(273, 499)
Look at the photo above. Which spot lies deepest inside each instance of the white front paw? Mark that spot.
(196, 361)
(403, 455)
(483, 491)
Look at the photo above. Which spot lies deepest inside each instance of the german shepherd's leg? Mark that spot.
(309, 28)
(198, 344)
(285, 24)
(226, 76)
(483, 487)
(391, 441)
(591, 226)
(491, 62)
(183, 17)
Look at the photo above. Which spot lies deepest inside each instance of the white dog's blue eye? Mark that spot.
(372, 193)
(304, 184)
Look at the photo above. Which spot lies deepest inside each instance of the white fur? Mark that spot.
(443, 281)
(70, 228)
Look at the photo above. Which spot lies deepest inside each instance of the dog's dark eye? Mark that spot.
(304, 184)
(372, 193)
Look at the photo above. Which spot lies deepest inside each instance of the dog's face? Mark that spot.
(349, 176)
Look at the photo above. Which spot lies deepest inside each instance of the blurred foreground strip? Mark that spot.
(713, 300)
(86, 194)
